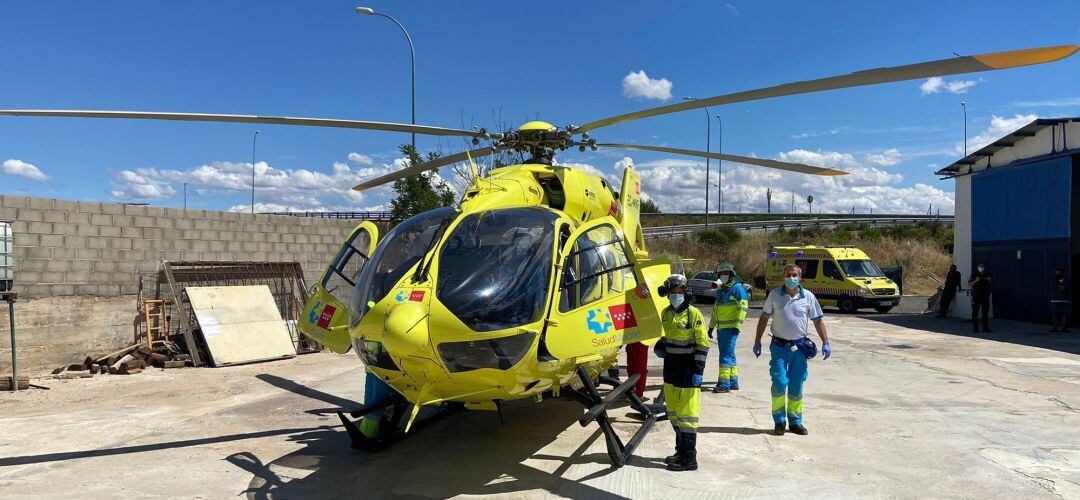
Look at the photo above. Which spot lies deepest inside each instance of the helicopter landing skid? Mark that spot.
(390, 429)
(597, 411)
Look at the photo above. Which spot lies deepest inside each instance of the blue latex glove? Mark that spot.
(697, 380)
(659, 349)
(826, 350)
(757, 349)
(710, 333)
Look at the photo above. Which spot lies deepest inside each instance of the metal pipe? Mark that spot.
(14, 358)
(253, 139)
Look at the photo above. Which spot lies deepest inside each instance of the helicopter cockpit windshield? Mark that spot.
(402, 247)
(495, 266)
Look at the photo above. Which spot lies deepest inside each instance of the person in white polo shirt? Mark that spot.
(792, 309)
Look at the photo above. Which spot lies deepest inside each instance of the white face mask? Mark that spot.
(676, 299)
(982, 269)
(724, 279)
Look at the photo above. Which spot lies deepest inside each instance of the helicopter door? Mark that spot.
(597, 303)
(326, 314)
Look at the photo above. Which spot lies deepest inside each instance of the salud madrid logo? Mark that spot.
(599, 321)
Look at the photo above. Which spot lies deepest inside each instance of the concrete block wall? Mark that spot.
(99, 249)
(77, 265)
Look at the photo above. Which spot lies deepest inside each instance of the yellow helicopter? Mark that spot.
(531, 284)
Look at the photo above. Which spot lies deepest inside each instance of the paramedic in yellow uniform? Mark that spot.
(684, 348)
(728, 315)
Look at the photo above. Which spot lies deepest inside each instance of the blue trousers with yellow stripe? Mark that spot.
(729, 372)
(788, 371)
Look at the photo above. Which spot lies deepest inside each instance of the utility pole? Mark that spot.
(253, 139)
(720, 173)
(768, 200)
(185, 196)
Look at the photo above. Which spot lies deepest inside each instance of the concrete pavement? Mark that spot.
(908, 406)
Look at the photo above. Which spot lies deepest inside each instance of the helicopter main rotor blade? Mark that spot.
(953, 66)
(423, 167)
(268, 120)
(761, 162)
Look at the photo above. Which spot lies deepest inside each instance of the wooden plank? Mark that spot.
(240, 324)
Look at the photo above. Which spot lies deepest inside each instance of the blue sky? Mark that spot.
(563, 62)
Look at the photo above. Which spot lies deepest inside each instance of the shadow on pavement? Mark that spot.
(1013, 332)
(468, 454)
(123, 450)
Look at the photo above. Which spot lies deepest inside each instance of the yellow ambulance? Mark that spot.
(840, 276)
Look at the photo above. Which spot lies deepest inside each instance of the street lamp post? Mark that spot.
(253, 139)
(368, 11)
(720, 168)
(963, 105)
(185, 196)
(708, 146)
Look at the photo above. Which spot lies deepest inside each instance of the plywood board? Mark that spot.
(241, 324)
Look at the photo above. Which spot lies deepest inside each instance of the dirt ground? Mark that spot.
(907, 406)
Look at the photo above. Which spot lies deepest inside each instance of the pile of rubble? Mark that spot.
(127, 361)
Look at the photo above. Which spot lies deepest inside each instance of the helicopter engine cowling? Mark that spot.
(405, 331)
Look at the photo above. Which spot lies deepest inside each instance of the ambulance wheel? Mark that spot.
(847, 305)
(883, 309)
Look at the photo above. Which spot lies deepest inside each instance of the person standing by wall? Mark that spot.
(792, 309)
(981, 289)
(1060, 301)
(948, 291)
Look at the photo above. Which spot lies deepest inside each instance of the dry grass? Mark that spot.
(750, 251)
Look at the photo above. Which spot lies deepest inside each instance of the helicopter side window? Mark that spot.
(597, 265)
(343, 274)
(399, 251)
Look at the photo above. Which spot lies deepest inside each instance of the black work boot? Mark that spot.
(799, 429)
(779, 429)
(688, 459)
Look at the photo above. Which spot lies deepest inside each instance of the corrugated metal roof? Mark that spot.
(1007, 141)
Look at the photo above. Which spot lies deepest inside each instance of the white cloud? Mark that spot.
(294, 189)
(359, 159)
(1049, 103)
(639, 85)
(22, 169)
(678, 185)
(733, 9)
(999, 127)
(886, 158)
(936, 84)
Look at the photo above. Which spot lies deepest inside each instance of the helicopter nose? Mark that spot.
(406, 334)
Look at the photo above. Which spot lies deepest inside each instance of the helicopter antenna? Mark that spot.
(472, 167)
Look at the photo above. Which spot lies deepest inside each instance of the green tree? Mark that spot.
(418, 193)
(649, 207)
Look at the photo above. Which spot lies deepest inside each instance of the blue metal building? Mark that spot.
(1016, 211)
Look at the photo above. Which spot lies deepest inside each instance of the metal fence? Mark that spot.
(373, 216)
(765, 225)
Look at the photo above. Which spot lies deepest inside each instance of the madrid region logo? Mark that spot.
(599, 321)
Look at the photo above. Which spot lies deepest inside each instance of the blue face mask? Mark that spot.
(791, 282)
(676, 299)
